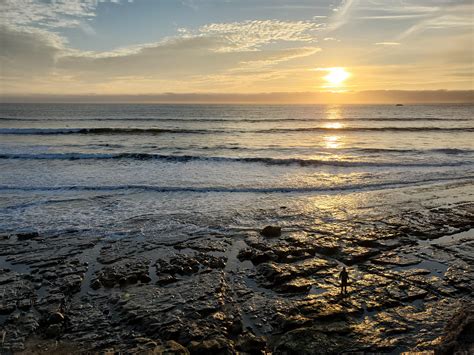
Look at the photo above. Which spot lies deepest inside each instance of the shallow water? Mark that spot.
(190, 168)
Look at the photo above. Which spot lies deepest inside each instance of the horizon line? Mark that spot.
(315, 97)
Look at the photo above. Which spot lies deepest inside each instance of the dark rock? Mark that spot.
(144, 278)
(187, 265)
(256, 256)
(327, 248)
(53, 331)
(458, 337)
(122, 281)
(166, 279)
(28, 235)
(148, 346)
(271, 232)
(286, 322)
(7, 308)
(274, 274)
(124, 273)
(71, 283)
(308, 341)
(357, 254)
(298, 285)
(24, 304)
(50, 275)
(394, 259)
(251, 344)
(132, 279)
(55, 318)
(172, 347)
(96, 284)
(217, 346)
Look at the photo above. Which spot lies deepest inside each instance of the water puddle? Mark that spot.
(434, 267)
(449, 239)
(315, 290)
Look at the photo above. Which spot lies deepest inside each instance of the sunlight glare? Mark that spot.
(332, 142)
(336, 76)
(333, 125)
(333, 113)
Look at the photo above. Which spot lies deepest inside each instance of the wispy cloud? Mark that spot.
(252, 35)
(387, 43)
(51, 14)
(439, 22)
(342, 14)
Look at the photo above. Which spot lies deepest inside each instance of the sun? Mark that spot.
(336, 76)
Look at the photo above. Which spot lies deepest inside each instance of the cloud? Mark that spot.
(273, 57)
(252, 35)
(52, 14)
(28, 51)
(171, 59)
(190, 3)
(387, 44)
(342, 14)
(440, 22)
(31, 48)
(331, 39)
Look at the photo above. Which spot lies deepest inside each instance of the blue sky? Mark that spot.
(128, 23)
(231, 46)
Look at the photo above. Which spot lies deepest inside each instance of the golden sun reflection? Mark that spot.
(333, 113)
(332, 142)
(333, 125)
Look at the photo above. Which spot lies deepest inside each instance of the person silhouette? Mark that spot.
(344, 276)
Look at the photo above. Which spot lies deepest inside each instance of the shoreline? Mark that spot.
(241, 291)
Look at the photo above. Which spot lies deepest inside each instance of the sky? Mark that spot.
(242, 47)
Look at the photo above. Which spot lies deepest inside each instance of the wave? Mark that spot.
(449, 151)
(215, 189)
(106, 130)
(368, 129)
(233, 120)
(256, 160)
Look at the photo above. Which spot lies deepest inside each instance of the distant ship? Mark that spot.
(399, 105)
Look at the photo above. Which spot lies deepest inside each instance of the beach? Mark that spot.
(137, 228)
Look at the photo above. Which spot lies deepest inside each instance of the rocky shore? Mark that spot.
(411, 284)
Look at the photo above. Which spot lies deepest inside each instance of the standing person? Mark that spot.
(344, 276)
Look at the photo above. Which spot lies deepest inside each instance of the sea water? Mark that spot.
(171, 171)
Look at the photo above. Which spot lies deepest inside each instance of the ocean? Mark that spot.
(132, 225)
(175, 170)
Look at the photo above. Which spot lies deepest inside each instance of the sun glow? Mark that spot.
(336, 76)
(333, 125)
(332, 142)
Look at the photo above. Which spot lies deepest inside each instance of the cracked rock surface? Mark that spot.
(236, 290)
